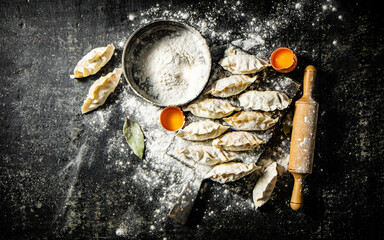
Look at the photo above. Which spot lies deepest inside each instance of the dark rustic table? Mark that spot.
(68, 175)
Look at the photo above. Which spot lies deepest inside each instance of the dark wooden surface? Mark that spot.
(42, 130)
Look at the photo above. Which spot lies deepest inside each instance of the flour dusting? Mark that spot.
(160, 177)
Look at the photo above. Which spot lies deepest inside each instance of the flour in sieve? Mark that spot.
(171, 69)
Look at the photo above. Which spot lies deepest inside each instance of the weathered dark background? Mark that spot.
(47, 191)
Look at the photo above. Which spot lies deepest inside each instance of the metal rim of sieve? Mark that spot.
(139, 34)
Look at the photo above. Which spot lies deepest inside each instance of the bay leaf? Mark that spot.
(134, 136)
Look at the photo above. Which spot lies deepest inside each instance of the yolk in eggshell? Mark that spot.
(172, 118)
(283, 59)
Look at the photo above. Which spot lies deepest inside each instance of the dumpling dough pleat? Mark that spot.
(207, 155)
(94, 60)
(252, 121)
(230, 86)
(264, 100)
(229, 172)
(101, 89)
(265, 185)
(238, 141)
(211, 108)
(202, 130)
(243, 64)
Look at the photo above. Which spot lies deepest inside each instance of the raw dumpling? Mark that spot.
(229, 172)
(230, 86)
(207, 155)
(101, 89)
(211, 108)
(264, 100)
(252, 120)
(243, 64)
(92, 62)
(265, 185)
(202, 130)
(238, 141)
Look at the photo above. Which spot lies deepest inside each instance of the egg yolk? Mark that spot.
(172, 119)
(283, 59)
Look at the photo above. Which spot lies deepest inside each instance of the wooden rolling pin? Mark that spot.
(303, 137)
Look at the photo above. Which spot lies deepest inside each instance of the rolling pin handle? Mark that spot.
(297, 193)
(309, 81)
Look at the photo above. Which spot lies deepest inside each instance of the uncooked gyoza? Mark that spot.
(207, 155)
(93, 61)
(251, 120)
(243, 64)
(211, 108)
(238, 141)
(264, 100)
(230, 86)
(101, 89)
(265, 185)
(202, 130)
(229, 172)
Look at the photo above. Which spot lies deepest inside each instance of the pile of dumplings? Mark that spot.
(89, 65)
(240, 113)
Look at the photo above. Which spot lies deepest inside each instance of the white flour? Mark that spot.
(171, 70)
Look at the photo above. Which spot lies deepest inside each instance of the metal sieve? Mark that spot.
(147, 36)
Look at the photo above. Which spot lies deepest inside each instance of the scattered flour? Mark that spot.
(160, 174)
(256, 35)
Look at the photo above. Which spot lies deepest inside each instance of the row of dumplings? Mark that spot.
(89, 65)
(244, 121)
(256, 116)
(224, 168)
